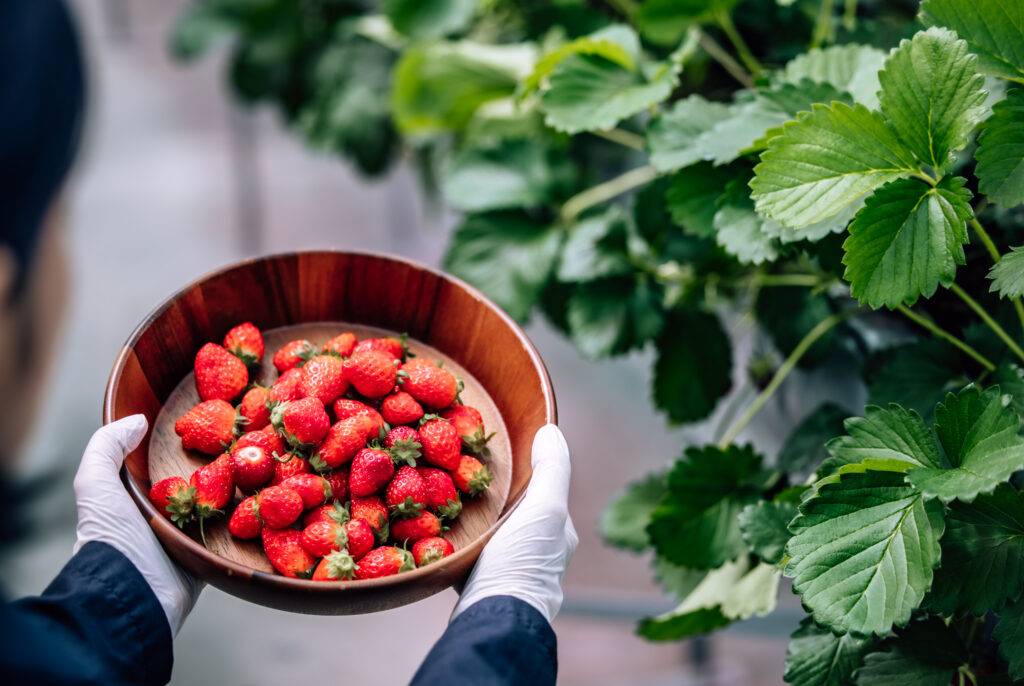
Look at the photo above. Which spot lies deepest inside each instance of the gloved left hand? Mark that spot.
(106, 513)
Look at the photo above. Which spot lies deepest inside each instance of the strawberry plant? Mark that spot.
(850, 175)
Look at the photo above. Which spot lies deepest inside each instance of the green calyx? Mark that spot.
(341, 539)
(318, 464)
(480, 482)
(408, 562)
(405, 451)
(407, 508)
(248, 359)
(429, 557)
(339, 513)
(340, 565)
(477, 443)
(450, 510)
(180, 506)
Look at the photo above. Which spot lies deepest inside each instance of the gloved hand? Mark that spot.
(107, 513)
(528, 555)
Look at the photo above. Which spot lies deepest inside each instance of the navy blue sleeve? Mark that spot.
(97, 622)
(499, 640)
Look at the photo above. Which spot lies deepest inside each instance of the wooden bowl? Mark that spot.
(314, 295)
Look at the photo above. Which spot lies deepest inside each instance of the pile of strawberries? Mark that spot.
(356, 452)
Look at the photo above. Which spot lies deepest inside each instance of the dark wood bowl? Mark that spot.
(313, 295)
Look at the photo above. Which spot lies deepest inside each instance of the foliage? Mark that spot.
(639, 171)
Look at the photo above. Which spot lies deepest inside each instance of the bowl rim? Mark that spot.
(232, 568)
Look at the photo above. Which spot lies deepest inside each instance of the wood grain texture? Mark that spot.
(315, 295)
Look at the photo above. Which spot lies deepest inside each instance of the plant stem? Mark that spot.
(939, 332)
(994, 252)
(850, 15)
(819, 330)
(823, 27)
(989, 322)
(622, 137)
(808, 280)
(602, 192)
(720, 55)
(742, 49)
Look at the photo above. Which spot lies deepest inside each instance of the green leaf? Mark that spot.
(506, 255)
(984, 547)
(993, 28)
(739, 230)
(818, 657)
(764, 527)
(1008, 274)
(679, 581)
(933, 95)
(664, 22)
(1000, 152)
(824, 161)
(914, 375)
(672, 137)
(692, 197)
(695, 524)
(906, 241)
(624, 522)
(926, 653)
(863, 550)
(614, 315)
(616, 43)
(504, 174)
(429, 18)
(891, 434)
(850, 68)
(788, 313)
(1010, 379)
(693, 369)
(596, 248)
(1010, 634)
(805, 448)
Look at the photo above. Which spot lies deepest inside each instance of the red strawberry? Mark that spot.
(371, 470)
(288, 466)
(293, 354)
(372, 511)
(245, 342)
(442, 498)
(335, 512)
(472, 477)
(423, 525)
(470, 426)
(338, 566)
(401, 408)
(265, 438)
(219, 374)
(393, 347)
(371, 372)
(314, 489)
(406, 495)
(343, 441)
(360, 537)
(253, 409)
(345, 408)
(209, 427)
(322, 538)
(214, 484)
(341, 344)
(252, 467)
(284, 550)
(323, 378)
(427, 550)
(302, 423)
(384, 561)
(441, 443)
(279, 506)
(174, 499)
(338, 480)
(245, 522)
(287, 387)
(403, 442)
(428, 383)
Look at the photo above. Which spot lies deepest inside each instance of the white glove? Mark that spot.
(528, 555)
(106, 513)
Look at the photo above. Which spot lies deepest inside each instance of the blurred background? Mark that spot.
(175, 179)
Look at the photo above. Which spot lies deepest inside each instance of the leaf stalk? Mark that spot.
(602, 192)
(990, 245)
(941, 333)
(988, 320)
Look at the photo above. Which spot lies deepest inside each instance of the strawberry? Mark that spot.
(338, 566)
(252, 467)
(472, 477)
(245, 522)
(401, 408)
(303, 423)
(341, 344)
(214, 484)
(441, 443)
(209, 427)
(384, 561)
(423, 525)
(265, 438)
(338, 481)
(360, 537)
(335, 512)
(406, 495)
(174, 499)
(431, 385)
(253, 409)
(343, 441)
(293, 354)
(288, 466)
(245, 342)
(470, 426)
(371, 470)
(403, 442)
(219, 374)
(323, 378)
(442, 498)
(393, 347)
(427, 550)
(372, 511)
(313, 488)
(320, 539)
(345, 408)
(284, 550)
(279, 506)
(287, 387)
(371, 372)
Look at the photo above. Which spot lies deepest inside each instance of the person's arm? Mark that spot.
(500, 632)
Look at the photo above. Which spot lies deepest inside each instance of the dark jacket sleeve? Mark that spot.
(98, 622)
(499, 640)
